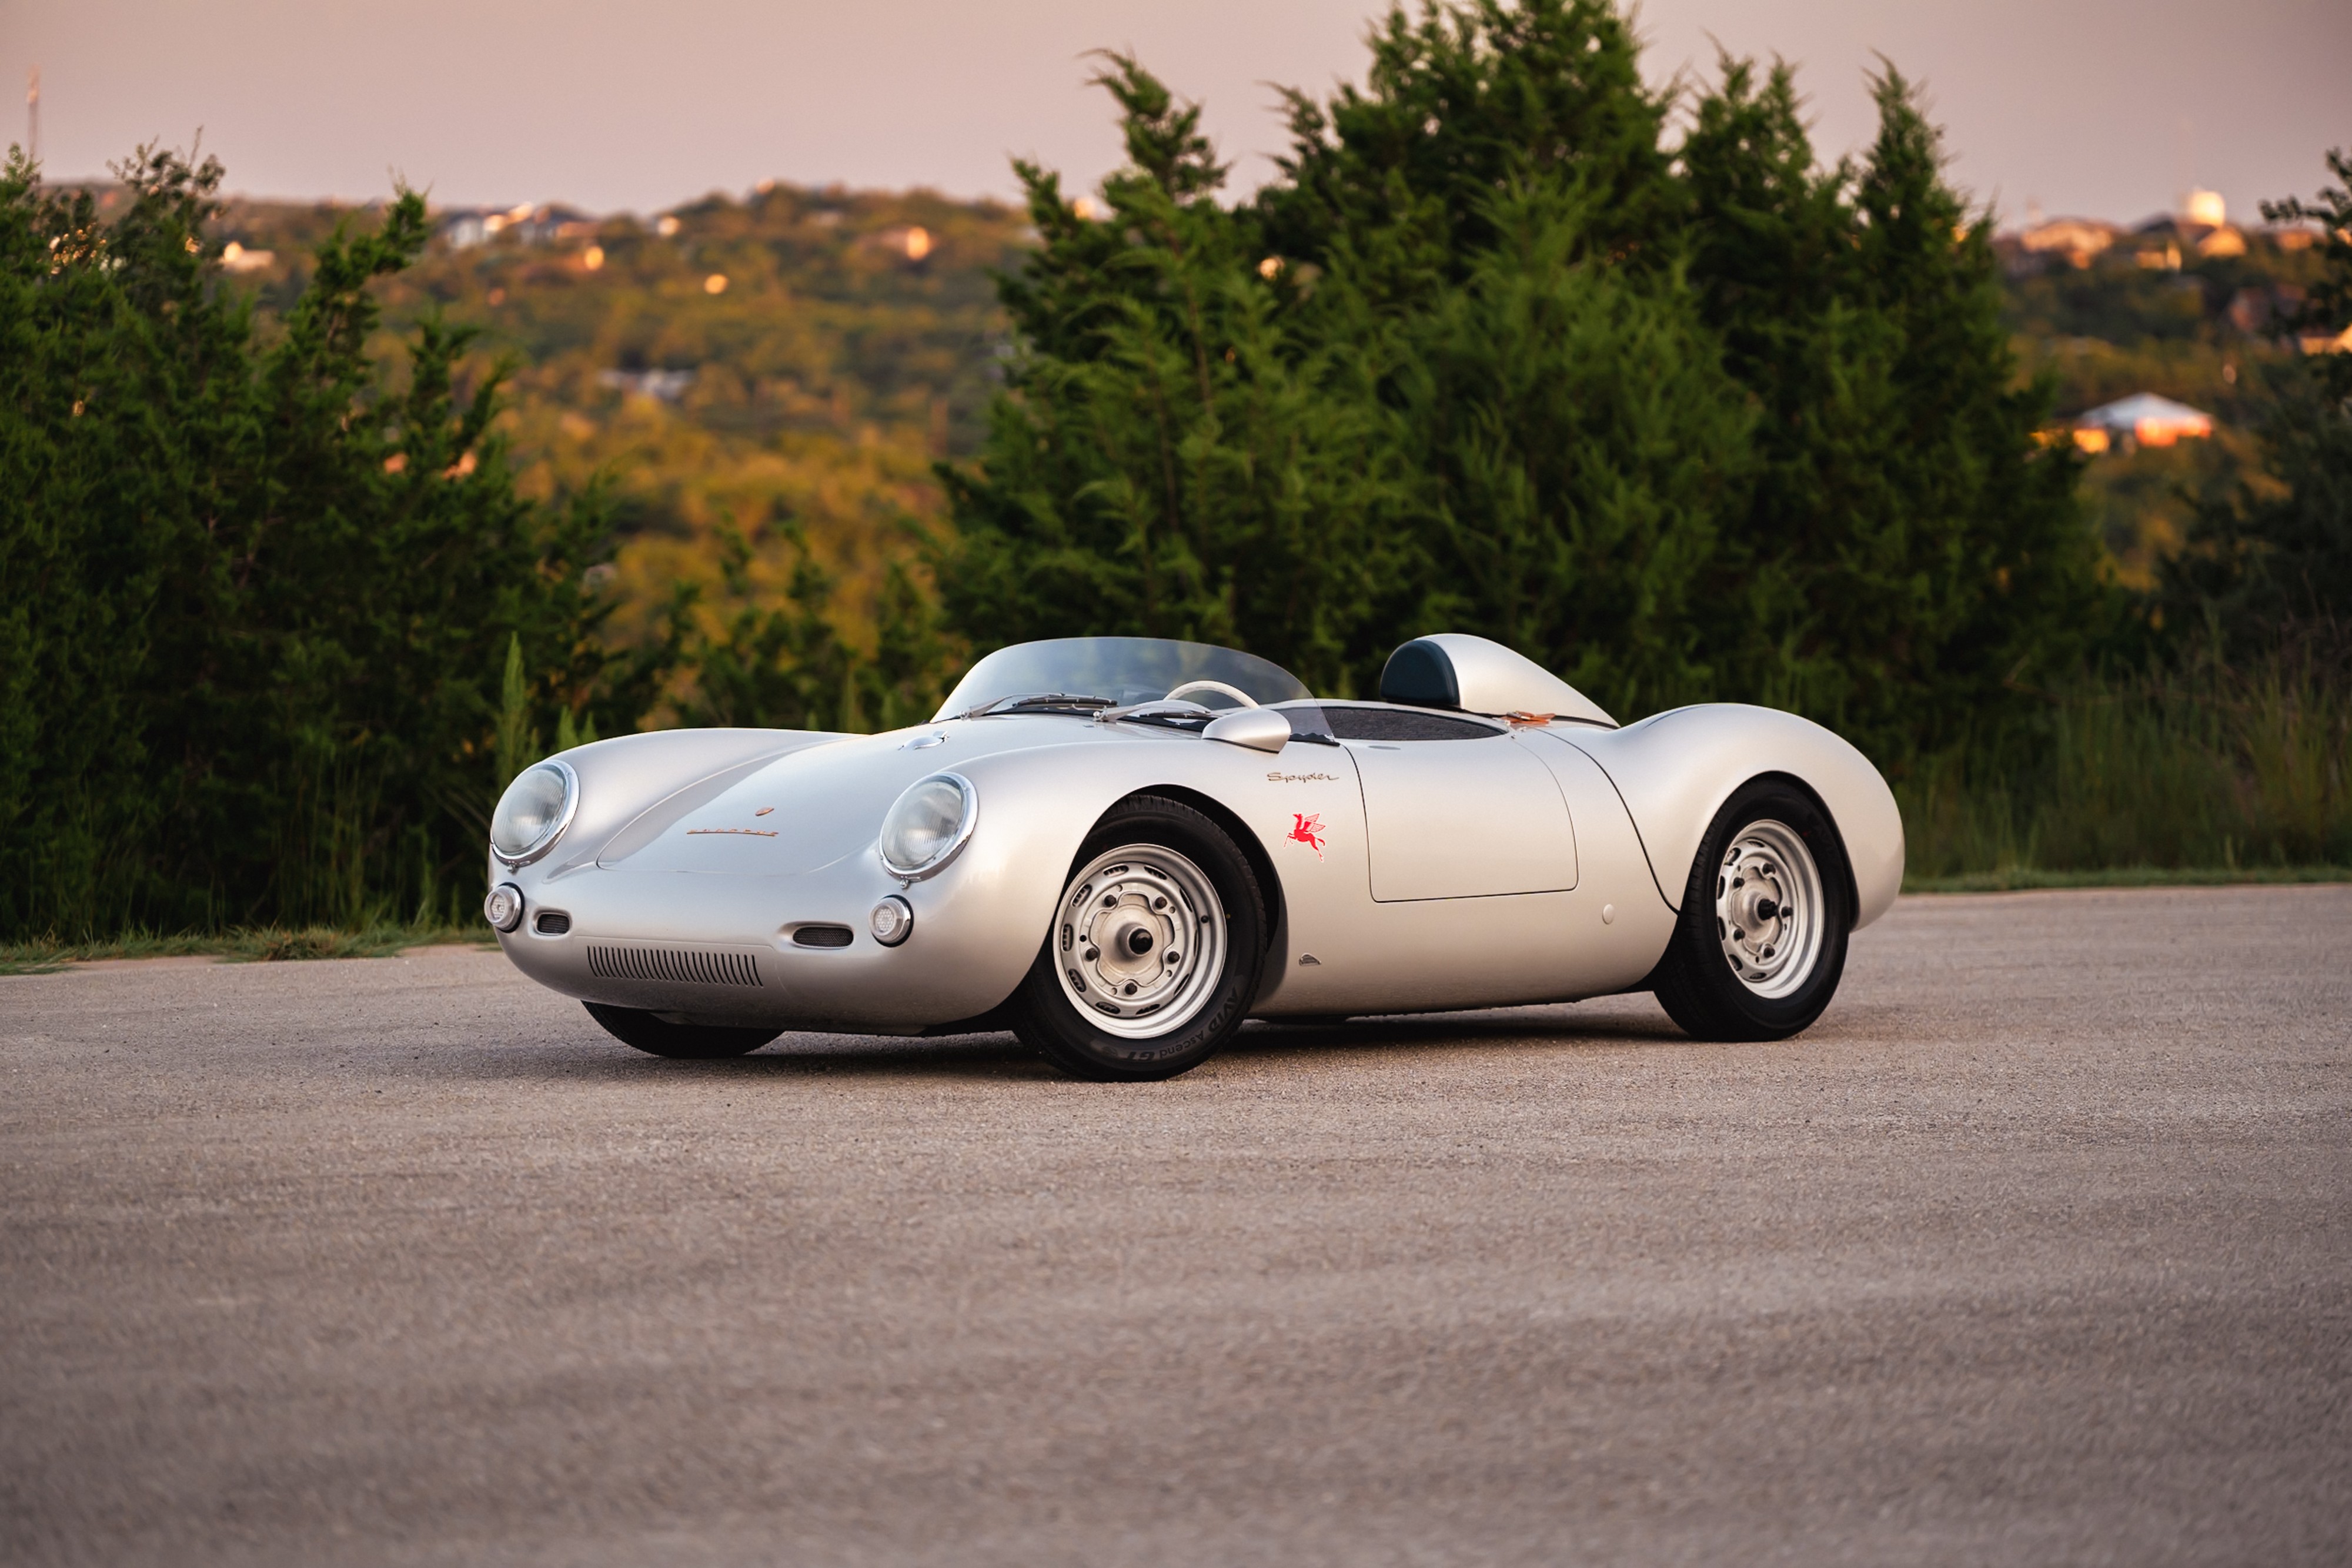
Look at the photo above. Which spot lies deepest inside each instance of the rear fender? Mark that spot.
(1676, 769)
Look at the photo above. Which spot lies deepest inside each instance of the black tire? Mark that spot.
(687, 1041)
(1046, 1014)
(1696, 981)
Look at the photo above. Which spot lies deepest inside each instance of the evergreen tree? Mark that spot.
(1711, 420)
(1170, 459)
(1396, 181)
(259, 605)
(1908, 546)
(124, 393)
(778, 666)
(2271, 562)
(1574, 445)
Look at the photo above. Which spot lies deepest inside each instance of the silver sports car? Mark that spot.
(1120, 848)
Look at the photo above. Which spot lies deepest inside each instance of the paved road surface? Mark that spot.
(2037, 1250)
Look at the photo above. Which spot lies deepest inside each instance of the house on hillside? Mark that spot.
(533, 224)
(2201, 228)
(662, 386)
(2077, 241)
(2142, 419)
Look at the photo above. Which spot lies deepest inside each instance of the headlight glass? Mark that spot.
(928, 825)
(532, 811)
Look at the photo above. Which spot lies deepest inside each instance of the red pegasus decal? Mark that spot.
(1308, 830)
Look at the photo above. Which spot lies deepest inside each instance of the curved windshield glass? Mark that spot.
(1116, 671)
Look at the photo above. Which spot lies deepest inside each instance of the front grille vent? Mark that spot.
(823, 937)
(683, 966)
(552, 923)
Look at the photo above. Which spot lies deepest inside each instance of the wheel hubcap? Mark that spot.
(1768, 908)
(1142, 941)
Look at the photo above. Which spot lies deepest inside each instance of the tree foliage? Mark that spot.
(2273, 557)
(257, 591)
(1177, 461)
(1700, 419)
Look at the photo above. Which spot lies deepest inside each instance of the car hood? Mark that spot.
(809, 809)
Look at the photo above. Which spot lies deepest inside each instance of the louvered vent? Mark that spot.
(683, 966)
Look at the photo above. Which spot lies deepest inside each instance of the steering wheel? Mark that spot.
(1240, 696)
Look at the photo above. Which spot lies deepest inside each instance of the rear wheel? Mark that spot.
(658, 1036)
(1156, 950)
(1760, 947)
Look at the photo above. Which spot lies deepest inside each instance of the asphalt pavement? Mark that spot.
(2037, 1249)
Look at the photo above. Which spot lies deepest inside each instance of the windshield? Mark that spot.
(1119, 671)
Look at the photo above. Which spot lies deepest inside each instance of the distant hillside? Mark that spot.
(855, 335)
(2189, 310)
(800, 354)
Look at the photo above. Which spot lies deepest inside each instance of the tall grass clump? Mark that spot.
(2208, 766)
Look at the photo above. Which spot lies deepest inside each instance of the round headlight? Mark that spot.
(928, 825)
(503, 907)
(535, 809)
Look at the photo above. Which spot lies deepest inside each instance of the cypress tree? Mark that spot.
(1708, 421)
(2272, 560)
(1908, 546)
(259, 601)
(1171, 457)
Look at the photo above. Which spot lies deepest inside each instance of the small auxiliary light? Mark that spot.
(503, 907)
(892, 920)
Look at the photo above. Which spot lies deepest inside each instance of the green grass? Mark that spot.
(2019, 879)
(2205, 774)
(253, 945)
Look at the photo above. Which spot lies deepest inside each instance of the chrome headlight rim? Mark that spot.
(547, 841)
(940, 861)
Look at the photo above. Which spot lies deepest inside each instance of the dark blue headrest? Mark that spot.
(1420, 675)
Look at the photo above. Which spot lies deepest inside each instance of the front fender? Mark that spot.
(1676, 769)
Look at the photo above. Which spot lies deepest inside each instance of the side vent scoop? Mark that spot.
(1455, 670)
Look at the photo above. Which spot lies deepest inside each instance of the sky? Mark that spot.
(2099, 108)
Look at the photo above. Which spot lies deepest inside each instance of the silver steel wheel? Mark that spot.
(1768, 908)
(1142, 941)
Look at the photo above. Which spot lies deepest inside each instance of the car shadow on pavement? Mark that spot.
(1611, 1023)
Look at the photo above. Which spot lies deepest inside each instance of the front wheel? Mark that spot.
(693, 1042)
(1156, 949)
(1759, 947)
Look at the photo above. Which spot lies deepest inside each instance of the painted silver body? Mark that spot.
(1541, 862)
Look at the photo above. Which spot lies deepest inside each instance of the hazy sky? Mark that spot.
(2101, 106)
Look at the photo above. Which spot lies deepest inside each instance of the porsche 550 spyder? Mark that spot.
(1121, 848)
